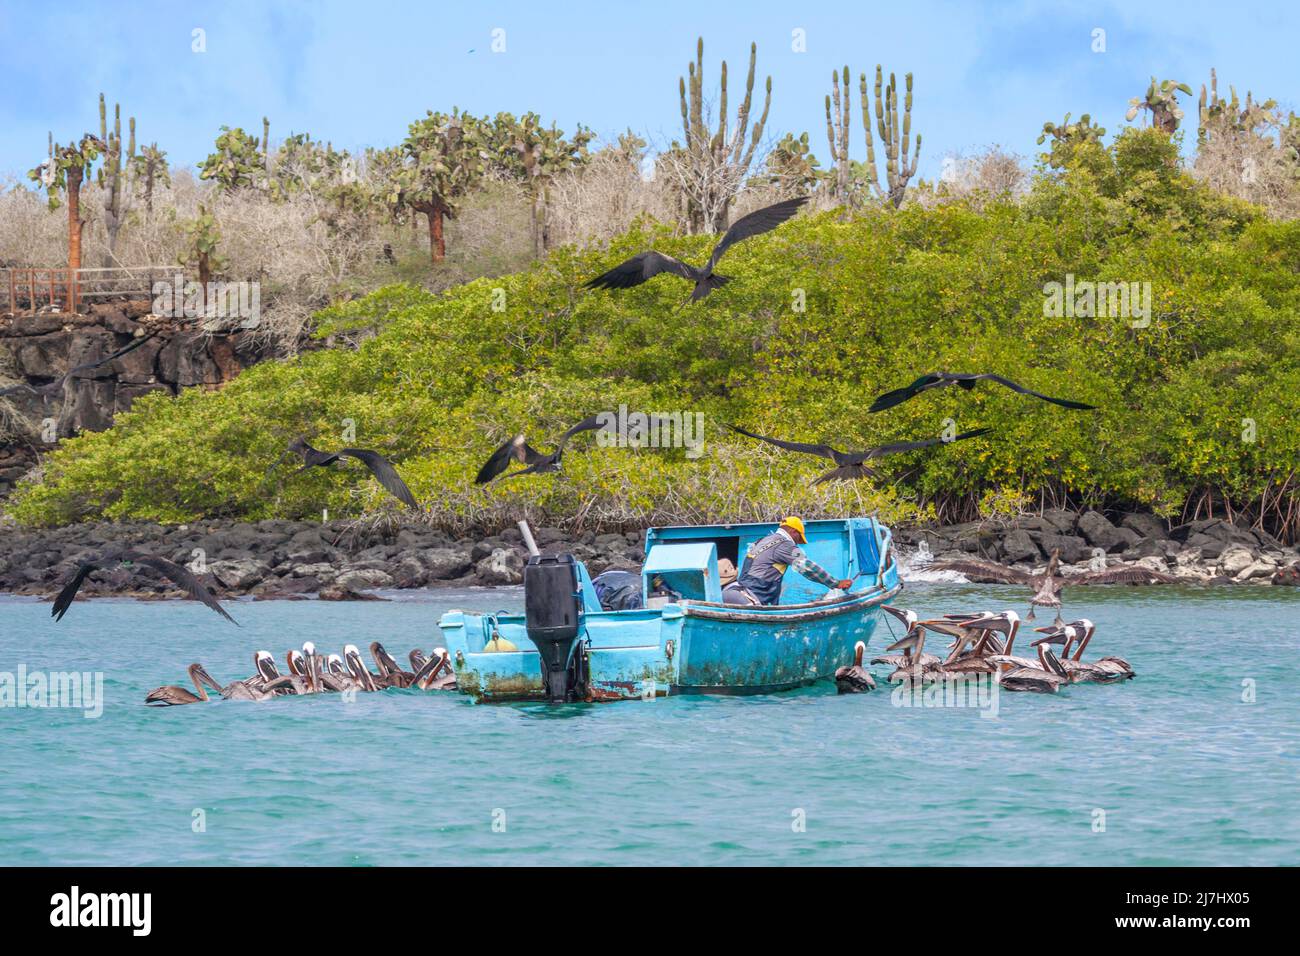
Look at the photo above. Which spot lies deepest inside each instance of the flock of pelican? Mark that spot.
(310, 672)
(982, 644)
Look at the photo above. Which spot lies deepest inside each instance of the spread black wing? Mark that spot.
(924, 443)
(515, 448)
(822, 451)
(900, 395)
(184, 579)
(756, 223)
(1016, 387)
(641, 268)
(592, 423)
(384, 471)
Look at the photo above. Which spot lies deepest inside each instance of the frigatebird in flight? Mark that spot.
(967, 381)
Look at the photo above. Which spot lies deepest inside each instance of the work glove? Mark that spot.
(845, 585)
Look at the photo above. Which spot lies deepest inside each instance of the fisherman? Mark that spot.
(765, 564)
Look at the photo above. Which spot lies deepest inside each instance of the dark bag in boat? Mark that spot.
(618, 590)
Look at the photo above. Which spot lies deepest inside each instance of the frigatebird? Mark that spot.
(647, 265)
(852, 464)
(178, 574)
(967, 381)
(524, 453)
(379, 466)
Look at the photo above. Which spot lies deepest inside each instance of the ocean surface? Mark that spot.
(1197, 761)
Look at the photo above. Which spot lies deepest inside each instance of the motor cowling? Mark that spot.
(553, 619)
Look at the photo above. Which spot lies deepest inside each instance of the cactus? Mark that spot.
(711, 167)
(1161, 101)
(1215, 113)
(534, 154)
(791, 166)
(893, 137)
(443, 157)
(1066, 137)
(239, 161)
(202, 236)
(150, 168)
(115, 174)
(66, 169)
(837, 135)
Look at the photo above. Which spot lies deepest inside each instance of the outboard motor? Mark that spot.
(553, 619)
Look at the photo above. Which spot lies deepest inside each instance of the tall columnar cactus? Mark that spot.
(894, 138)
(715, 164)
(1067, 136)
(1161, 100)
(837, 134)
(150, 169)
(66, 170)
(1230, 114)
(115, 174)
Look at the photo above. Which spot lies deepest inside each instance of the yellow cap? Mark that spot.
(796, 523)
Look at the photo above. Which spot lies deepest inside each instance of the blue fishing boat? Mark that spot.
(684, 640)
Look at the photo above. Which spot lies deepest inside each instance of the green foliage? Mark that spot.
(888, 295)
(239, 161)
(1067, 137)
(66, 165)
(1161, 101)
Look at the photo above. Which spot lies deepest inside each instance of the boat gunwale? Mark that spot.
(739, 613)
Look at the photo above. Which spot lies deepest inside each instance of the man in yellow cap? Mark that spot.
(765, 564)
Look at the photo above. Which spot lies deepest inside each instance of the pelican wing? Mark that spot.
(1016, 387)
(384, 472)
(983, 572)
(184, 579)
(1122, 576)
(822, 451)
(641, 268)
(753, 224)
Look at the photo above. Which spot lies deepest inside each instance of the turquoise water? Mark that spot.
(1184, 769)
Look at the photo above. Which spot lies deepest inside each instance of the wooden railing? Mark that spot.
(25, 291)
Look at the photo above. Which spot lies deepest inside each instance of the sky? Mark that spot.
(357, 74)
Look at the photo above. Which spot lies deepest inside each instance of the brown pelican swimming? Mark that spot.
(437, 673)
(170, 695)
(852, 678)
(1048, 584)
(913, 664)
(1105, 670)
(357, 668)
(647, 265)
(390, 674)
(417, 659)
(1046, 677)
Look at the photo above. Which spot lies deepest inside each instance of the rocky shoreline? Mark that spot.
(342, 560)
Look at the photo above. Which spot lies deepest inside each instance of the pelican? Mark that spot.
(357, 667)
(1105, 670)
(417, 659)
(1048, 584)
(1046, 677)
(436, 674)
(390, 674)
(170, 695)
(852, 679)
(913, 664)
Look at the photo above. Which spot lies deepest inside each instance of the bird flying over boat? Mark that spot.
(179, 575)
(641, 268)
(52, 388)
(379, 466)
(850, 465)
(1048, 584)
(966, 380)
(535, 461)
